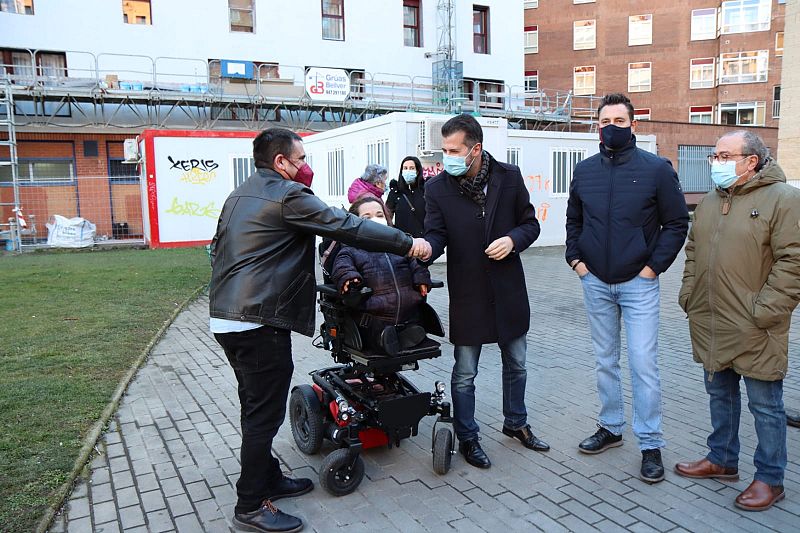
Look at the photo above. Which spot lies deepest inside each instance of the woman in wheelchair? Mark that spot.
(389, 317)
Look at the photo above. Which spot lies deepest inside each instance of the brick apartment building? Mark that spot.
(693, 69)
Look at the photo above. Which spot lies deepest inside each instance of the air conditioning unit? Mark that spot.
(430, 136)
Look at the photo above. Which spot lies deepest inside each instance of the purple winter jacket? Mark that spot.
(392, 278)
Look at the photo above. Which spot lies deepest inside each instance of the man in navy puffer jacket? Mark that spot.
(626, 222)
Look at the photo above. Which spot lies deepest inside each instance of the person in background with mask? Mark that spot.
(407, 198)
(740, 285)
(480, 211)
(626, 222)
(372, 182)
(262, 288)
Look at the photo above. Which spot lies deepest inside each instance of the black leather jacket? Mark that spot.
(262, 255)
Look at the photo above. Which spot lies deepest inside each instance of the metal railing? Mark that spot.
(141, 76)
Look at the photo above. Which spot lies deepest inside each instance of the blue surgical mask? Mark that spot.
(724, 175)
(456, 165)
(409, 176)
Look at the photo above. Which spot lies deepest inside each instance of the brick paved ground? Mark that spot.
(170, 458)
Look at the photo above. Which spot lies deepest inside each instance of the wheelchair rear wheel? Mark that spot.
(442, 448)
(341, 472)
(305, 416)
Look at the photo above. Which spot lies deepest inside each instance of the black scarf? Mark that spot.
(474, 187)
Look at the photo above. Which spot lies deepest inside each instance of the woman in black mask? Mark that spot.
(407, 198)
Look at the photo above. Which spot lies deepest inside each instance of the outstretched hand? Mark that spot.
(420, 249)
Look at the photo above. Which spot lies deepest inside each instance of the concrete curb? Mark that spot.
(94, 434)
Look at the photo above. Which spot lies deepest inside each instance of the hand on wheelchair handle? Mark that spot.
(354, 283)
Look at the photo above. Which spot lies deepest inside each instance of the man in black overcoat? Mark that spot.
(480, 211)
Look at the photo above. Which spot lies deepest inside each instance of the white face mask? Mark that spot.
(381, 221)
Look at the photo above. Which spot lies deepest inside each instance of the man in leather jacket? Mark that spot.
(263, 288)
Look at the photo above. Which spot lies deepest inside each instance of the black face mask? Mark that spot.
(615, 138)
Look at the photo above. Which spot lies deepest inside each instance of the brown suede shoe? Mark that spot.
(759, 496)
(705, 469)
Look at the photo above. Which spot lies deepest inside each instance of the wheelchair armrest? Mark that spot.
(437, 284)
(328, 289)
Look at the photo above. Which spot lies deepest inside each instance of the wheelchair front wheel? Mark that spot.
(341, 473)
(442, 448)
(305, 416)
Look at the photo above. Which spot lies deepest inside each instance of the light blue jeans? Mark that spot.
(462, 387)
(637, 302)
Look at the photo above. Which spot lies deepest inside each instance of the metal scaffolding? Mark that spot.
(154, 96)
(10, 228)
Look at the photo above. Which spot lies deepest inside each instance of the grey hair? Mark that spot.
(751, 145)
(374, 174)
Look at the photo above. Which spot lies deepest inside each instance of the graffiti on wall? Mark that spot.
(195, 171)
(193, 209)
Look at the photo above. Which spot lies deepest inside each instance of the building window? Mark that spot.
(20, 7)
(641, 114)
(531, 81)
(704, 24)
(488, 93)
(514, 155)
(701, 73)
(378, 152)
(40, 171)
(241, 14)
(701, 114)
(583, 35)
(779, 44)
(743, 67)
(242, 167)
(639, 77)
(411, 23)
(480, 29)
(776, 101)
(120, 171)
(563, 161)
(640, 30)
(694, 172)
(20, 64)
(333, 20)
(583, 80)
(336, 172)
(739, 16)
(530, 4)
(136, 12)
(742, 114)
(531, 39)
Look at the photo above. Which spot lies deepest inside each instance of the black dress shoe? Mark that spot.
(288, 488)
(527, 438)
(602, 440)
(267, 519)
(474, 454)
(410, 335)
(793, 418)
(652, 467)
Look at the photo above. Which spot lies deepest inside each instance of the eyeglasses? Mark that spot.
(724, 158)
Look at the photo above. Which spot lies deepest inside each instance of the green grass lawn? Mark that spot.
(71, 325)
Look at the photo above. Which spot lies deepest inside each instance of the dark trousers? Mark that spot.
(262, 361)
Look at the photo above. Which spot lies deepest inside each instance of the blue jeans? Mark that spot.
(462, 385)
(766, 405)
(637, 302)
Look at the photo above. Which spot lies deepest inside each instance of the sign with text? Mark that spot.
(329, 84)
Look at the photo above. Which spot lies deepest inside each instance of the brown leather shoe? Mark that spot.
(705, 469)
(759, 496)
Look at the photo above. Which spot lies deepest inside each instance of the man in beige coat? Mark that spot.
(740, 286)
